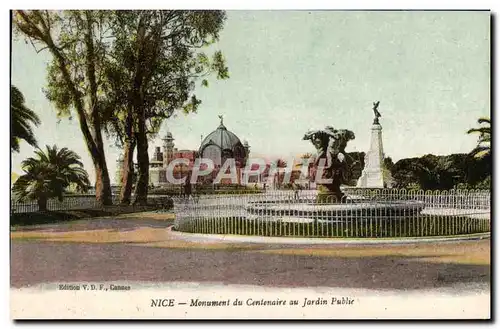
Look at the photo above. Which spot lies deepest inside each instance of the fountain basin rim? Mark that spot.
(234, 238)
(395, 205)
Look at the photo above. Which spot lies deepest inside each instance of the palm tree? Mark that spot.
(483, 147)
(49, 175)
(22, 119)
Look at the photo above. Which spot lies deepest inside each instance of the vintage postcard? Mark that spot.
(250, 164)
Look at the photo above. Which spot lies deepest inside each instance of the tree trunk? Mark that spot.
(127, 172)
(42, 203)
(94, 146)
(102, 182)
(141, 187)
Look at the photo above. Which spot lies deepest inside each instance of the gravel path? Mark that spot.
(42, 262)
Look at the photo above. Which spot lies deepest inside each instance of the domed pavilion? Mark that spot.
(222, 144)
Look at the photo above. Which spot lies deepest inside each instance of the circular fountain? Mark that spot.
(314, 212)
(330, 203)
(396, 214)
(331, 212)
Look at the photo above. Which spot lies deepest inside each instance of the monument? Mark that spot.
(374, 174)
(330, 161)
(330, 206)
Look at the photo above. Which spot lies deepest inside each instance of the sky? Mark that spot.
(291, 71)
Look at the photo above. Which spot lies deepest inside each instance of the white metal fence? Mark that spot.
(70, 202)
(364, 213)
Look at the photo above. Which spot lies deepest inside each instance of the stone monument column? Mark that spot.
(374, 174)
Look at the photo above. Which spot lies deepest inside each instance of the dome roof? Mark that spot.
(222, 138)
(168, 137)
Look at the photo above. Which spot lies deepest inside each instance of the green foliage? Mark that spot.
(356, 163)
(483, 148)
(49, 174)
(388, 163)
(154, 64)
(414, 187)
(78, 41)
(124, 71)
(432, 172)
(72, 42)
(22, 119)
(161, 52)
(484, 184)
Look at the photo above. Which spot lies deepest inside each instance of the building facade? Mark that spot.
(218, 146)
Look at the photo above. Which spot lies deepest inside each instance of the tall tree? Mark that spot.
(156, 60)
(22, 120)
(483, 148)
(77, 41)
(49, 175)
(117, 116)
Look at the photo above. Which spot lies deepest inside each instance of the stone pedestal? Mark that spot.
(331, 193)
(373, 174)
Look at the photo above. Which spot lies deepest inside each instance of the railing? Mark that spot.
(376, 213)
(178, 190)
(70, 202)
(475, 199)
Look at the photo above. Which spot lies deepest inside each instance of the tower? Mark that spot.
(374, 174)
(168, 149)
(155, 167)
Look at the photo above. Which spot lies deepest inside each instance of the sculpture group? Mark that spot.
(331, 161)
